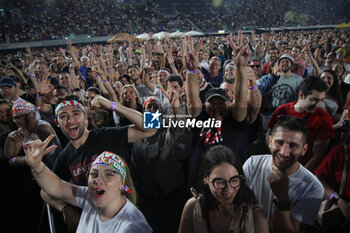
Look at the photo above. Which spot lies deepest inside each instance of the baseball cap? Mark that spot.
(286, 56)
(216, 91)
(8, 82)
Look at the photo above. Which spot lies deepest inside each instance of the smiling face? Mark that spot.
(285, 65)
(105, 186)
(223, 171)
(327, 78)
(129, 95)
(216, 108)
(311, 101)
(73, 122)
(286, 148)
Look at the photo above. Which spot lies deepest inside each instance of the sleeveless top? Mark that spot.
(200, 226)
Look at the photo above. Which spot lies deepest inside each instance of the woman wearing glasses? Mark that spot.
(104, 203)
(225, 202)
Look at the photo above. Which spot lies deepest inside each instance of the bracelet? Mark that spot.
(34, 173)
(172, 65)
(113, 106)
(110, 69)
(284, 206)
(39, 95)
(104, 81)
(14, 160)
(63, 208)
(76, 89)
(334, 197)
(309, 56)
(31, 75)
(252, 88)
(192, 71)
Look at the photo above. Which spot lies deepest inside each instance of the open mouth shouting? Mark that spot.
(98, 192)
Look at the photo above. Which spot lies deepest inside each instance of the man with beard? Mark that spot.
(311, 92)
(289, 193)
(281, 84)
(299, 63)
(232, 120)
(273, 56)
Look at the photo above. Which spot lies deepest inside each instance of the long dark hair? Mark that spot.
(334, 90)
(244, 198)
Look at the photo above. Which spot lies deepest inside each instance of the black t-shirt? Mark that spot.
(72, 163)
(231, 134)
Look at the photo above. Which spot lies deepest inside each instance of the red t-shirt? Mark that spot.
(331, 170)
(319, 126)
(266, 68)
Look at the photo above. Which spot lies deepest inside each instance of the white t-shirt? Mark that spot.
(305, 191)
(128, 220)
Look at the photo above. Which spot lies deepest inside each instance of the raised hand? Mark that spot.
(44, 86)
(35, 151)
(279, 184)
(99, 102)
(242, 56)
(191, 58)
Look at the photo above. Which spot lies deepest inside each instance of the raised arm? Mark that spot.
(194, 103)
(45, 178)
(240, 88)
(136, 131)
(74, 52)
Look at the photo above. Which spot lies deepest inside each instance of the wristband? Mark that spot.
(104, 81)
(192, 71)
(284, 206)
(34, 173)
(76, 89)
(334, 197)
(252, 88)
(110, 69)
(309, 56)
(39, 95)
(113, 106)
(31, 75)
(14, 160)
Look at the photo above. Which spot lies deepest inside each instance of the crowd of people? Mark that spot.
(38, 20)
(248, 129)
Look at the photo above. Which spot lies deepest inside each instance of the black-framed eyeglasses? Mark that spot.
(287, 117)
(234, 181)
(21, 117)
(256, 66)
(106, 175)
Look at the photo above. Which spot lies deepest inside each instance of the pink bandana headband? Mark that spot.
(66, 103)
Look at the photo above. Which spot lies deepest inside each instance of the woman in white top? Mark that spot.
(105, 207)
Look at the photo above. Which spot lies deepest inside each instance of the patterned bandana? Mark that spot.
(65, 103)
(20, 105)
(163, 71)
(113, 160)
(151, 98)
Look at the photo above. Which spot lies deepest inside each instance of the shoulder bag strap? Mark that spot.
(345, 170)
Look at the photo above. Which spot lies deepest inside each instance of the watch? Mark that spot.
(282, 205)
(334, 197)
